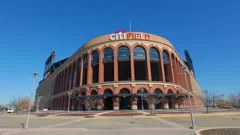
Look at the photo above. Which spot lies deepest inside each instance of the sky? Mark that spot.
(31, 29)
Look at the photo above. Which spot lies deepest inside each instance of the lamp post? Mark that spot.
(29, 108)
(141, 90)
(69, 96)
(184, 68)
(38, 101)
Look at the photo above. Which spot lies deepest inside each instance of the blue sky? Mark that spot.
(30, 30)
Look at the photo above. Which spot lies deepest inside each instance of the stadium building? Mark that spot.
(116, 71)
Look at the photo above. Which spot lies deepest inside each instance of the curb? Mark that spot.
(196, 115)
(197, 132)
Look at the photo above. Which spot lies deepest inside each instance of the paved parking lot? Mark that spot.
(113, 125)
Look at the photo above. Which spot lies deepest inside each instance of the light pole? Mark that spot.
(29, 108)
(184, 68)
(69, 96)
(38, 101)
(141, 90)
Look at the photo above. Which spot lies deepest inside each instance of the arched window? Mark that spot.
(85, 66)
(155, 64)
(140, 63)
(95, 61)
(139, 53)
(108, 58)
(167, 67)
(94, 92)
(158, 91)
(124, 71)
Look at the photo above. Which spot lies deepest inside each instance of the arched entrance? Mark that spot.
(170, 103)
(141, 100)
(159, 105)
(108, 99)
(125, 99)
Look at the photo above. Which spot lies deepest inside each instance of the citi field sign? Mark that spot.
(121, 35)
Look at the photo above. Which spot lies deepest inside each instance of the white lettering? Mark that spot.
(112, 37)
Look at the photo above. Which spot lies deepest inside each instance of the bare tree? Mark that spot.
(152, 100)
(234, 100)
(89, 102)
(2, 107)
(14, 103)
(210, 99)
(19, 103)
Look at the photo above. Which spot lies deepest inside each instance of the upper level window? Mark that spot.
(139, 53)
(108, 55)
(123, 54)
(95, 58)
(154, 56)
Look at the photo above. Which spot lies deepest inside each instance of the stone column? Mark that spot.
(165, 104)
(134, 103)
(149, 75)
(115, 103)
(100, 104)
(115, 62)
(101, 68)
(132, 65)
(162, 67)
(171, 69)
(81, 72)
(176, 104)
(89, 69)
(180, 104)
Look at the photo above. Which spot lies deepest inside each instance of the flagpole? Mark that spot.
(130, 26)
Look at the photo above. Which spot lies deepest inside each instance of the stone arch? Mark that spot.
(94, 92)
(108, 99)
(123, 44)
(124, 99)
(125, 86)
(167, 65)
(157, 90)
(141, 103)
(95, 56)
(123, 63)
(170, 91)
(137, 87)
(108, 64)
(101, 91)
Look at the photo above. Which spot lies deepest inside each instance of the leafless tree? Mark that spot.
(210, 99)
(19, 103)
(234, 100)
(152, 100)
(14, 103)
(89, 102)
(2, 107)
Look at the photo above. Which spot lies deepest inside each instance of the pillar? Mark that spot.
(81, 72)
(165, 104)
(134, 103)
(100, 104)
(162, 67)
(101, 69)
(176, 105)
(171, 67)
(115, 62)
(132, 65)
(149, 75)
(115, 103)
(89, 69)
